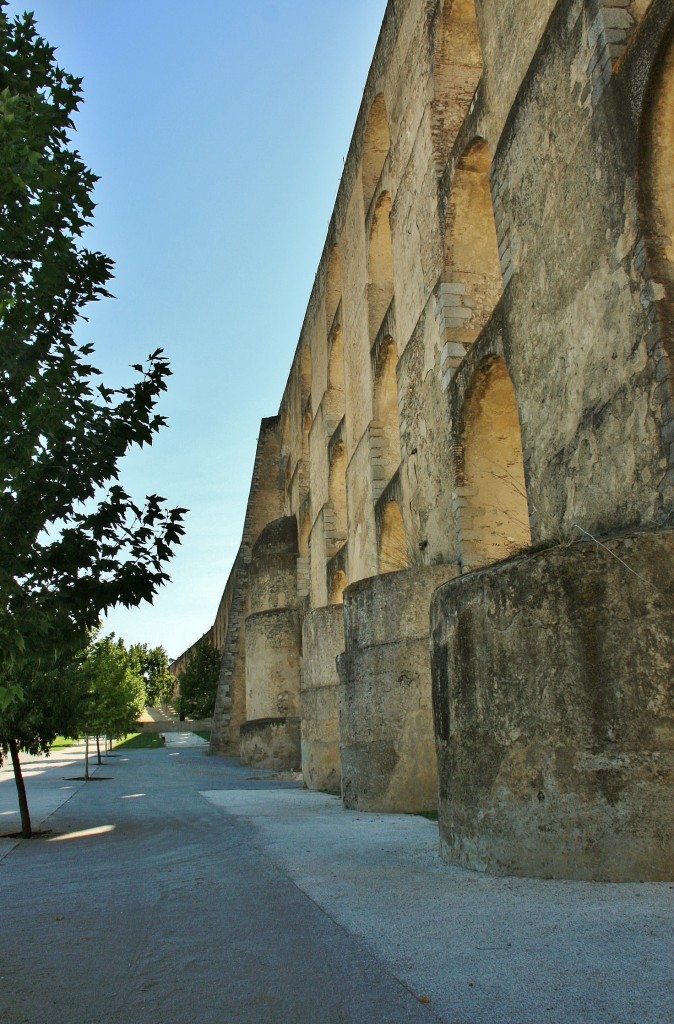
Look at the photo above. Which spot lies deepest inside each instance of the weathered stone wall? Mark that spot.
(510, 32)
(272, 663)
(554, 707)
(273, 567)
(272, 743)
(272, 642)
(565, 172)
(386, 718)
(322, 643)
(230, 704)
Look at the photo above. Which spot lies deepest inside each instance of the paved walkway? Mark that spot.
(186, 888)
(50, 782)
(184, 739)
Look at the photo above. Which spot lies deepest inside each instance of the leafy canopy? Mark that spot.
(51, 703)
(100, 691)
(73, 543)
(152, 665)
(115, 689)
(198, 681)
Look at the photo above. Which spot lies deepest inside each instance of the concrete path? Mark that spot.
(189, 889)
(184, 739)
(50, 782)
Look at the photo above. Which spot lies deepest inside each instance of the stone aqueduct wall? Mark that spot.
(481, 397)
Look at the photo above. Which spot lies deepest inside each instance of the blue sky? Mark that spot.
(219, 130)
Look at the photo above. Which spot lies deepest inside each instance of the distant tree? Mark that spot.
(72, 542)
(198, 682)
(153, 666)
(115, 691)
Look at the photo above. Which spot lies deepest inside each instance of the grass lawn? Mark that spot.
(63, 741)
(144, 740)
(204, 735)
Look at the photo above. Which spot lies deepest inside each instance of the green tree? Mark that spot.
(198, 682)
(115, 691)
(72, 541)
(50, 704)
(153, 666)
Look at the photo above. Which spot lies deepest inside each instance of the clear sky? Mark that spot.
(219, 130)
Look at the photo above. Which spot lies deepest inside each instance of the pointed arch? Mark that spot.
(380, 265)
(385, 427)
(337, 576)
(307, 423)
(492, 496)
(304, 532)
(392, 540)
(457, 69)
(333, 289)
(336, 531)
(338, 584)
(472, 283)
(335, 399)
(376, 144)
(305, 373)
(336, 361)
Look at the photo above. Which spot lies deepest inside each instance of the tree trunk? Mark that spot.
(98, 749)
(86, 757)
(26, 828)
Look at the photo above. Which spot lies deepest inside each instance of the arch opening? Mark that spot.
(392, 540)
(336, 521)
(472, 282)
(305, 374)
(491, 495)
(385, 428)
(457, 71)
(338, 584)
(304, 533)
(333, 290)
(376, 144)
(336, 364)
(380, 266)
(333, 286)
(307, 422)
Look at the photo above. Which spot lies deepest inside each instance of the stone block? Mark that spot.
(554, 712)
(388, 759)
(322, 642)
(272, 743)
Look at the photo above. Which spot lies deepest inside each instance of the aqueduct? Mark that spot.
(454, 586)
